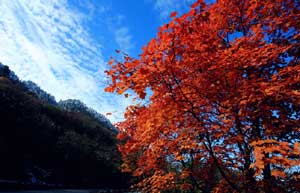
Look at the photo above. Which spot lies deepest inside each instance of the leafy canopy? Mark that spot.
(225, 94)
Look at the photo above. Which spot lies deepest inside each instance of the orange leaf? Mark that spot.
(111, 62)
(173, 14)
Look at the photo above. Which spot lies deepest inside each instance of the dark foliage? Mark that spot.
(42, 143)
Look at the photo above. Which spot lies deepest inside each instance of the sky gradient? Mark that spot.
(64, 45)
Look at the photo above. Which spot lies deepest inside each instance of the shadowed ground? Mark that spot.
(68, 191)
(52, 191)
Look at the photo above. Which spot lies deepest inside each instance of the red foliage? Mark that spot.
(225, 92)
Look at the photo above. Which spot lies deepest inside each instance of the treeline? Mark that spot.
(41, 143)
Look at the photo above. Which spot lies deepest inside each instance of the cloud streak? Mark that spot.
(165, 7)
(49, 43)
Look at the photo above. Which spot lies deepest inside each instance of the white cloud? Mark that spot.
(48, 43)
(116, 24)
(123, 39)
(165, 7)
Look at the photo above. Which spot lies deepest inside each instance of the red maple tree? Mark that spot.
(223, 114)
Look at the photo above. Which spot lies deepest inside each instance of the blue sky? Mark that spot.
(64, 45)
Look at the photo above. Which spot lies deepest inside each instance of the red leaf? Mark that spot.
(173, 14)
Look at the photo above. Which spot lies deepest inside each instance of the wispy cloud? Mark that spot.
(165, 7)
(117, 25)
(48, 42)
(124, 39)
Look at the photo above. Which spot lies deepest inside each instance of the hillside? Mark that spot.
(41, 142)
